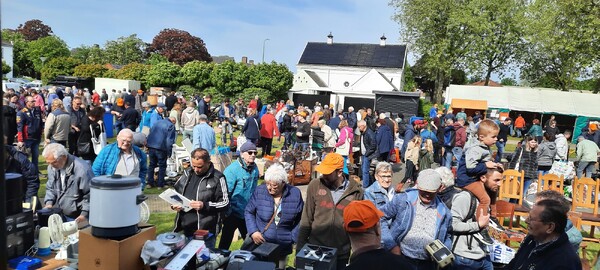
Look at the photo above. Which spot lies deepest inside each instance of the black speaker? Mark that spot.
(19, 233)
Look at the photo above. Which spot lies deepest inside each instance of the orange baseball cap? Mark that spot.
(330, 163)
(359, 216)
(120, 102)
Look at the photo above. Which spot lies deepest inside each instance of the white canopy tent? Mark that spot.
(540, 100)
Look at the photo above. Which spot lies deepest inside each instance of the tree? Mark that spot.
(562, 42)
(89, 70)
(124, 50)
(133, 71)
(156, 58)
(179, 46)
(434, 28)
(424, 78)
(230, 78)
(5, 68)
(196, 74)
(495, 35)
(276, 79)
(409, 81)
(163, 74)
(59, 66)
(34, 30)
(49, 47)
(508, 82)
(89, 54)
(21, 64)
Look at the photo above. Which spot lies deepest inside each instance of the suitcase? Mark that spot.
(238, 258)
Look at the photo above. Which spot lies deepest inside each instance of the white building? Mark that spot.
(7, 56)
(346, 74)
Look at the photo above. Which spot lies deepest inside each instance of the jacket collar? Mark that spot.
(244, 165)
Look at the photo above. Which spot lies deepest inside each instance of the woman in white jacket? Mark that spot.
(190, 117)
(562, 145)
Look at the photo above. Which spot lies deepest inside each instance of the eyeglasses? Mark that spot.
(385, 176)
(252, 153)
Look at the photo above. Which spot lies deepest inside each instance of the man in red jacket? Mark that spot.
(267, 130)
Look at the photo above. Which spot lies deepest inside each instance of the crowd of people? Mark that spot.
(365, 220)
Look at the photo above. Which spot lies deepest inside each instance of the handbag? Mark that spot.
(518, 164)
(100, 141)
(83, 148)
(248, 243)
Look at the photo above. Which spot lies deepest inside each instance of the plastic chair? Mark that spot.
(584, 191)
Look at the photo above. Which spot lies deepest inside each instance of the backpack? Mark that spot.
(447, 198)
(449, 137)
(401, 128)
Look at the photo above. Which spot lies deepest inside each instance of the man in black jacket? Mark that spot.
(546, 245)
(368, 149)
(207, 189)
(130, 117)
(17, 162)
(302, 132)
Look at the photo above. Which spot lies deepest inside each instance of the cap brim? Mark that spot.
(324, 169)
(427, 190)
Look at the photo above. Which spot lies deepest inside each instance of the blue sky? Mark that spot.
(236, 28)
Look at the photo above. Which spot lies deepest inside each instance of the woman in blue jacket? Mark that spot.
(273, 212)
(251, 128)
(385, 142)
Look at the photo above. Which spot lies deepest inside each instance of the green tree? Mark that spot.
(508, 82)
(562, 42)
(21, 63)
(89, 54)
(276, 79)
(163, 74)
(197, 74)
(230, 78)
(5, 68)
(434, 28)
(111, 73)
(409, 81)
(49, 47)
(89, 70)
(59, 66)
(156, 58)
(124, 50)
(133, 71)
(495, 31)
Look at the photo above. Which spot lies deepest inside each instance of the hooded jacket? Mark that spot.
(189, 118)
(385, 141)
(74, 198)
(241, 182)
(562, 147)
(545, 153)
(322, 220)
(212, 192)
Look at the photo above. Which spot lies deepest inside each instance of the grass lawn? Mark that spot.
(164, 221)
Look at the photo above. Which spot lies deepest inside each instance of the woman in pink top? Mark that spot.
(344, 143)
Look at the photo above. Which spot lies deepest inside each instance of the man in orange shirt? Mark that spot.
(519, 125)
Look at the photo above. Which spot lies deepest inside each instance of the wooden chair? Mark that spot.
(512, 188)
(505, 209)
(551, 182)
(584, 190)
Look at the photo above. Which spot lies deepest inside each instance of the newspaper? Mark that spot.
(174, 198)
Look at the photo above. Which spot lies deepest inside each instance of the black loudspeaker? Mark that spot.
(316, 258)
(14, 196)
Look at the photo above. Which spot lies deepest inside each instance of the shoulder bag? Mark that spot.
(249, 244)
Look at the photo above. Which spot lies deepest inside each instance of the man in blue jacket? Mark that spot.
(418, 217)
(203, 135)
(160, 145)
(242, 178)
(123, 158)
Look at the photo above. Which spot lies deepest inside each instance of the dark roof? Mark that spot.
(316, 78)
(222, 58)
(348, 54)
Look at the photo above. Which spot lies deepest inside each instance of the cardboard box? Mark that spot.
(99, 253)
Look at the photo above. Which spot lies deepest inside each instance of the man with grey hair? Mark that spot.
(381, 191)
(368, 149)
(160, 146)
(352, 118)
(204, 135)
(275, 198)
(123, 158)
(68, 186)
(587, 155)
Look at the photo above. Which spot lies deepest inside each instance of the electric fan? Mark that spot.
(144, 212)
(62, 234)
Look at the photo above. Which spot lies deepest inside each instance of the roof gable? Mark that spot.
(373, 80)
(349, 54)
(307, 79)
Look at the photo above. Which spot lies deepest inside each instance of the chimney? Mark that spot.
(329, 39)
(382, 41)
(251, 62)
(244, 59)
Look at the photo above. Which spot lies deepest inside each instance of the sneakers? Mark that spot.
(484, 237)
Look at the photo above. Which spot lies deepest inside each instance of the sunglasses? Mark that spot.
(252, 153)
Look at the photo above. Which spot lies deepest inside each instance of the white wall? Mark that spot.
(7, 56)
(336, 76)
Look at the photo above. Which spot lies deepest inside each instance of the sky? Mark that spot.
(228, 27)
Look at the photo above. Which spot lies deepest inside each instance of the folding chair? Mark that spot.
(551, 182)
(512, 188)
(181, 153)
(584, 191)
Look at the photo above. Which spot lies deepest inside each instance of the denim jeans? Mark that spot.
(287, 140)
(450, 152)
(365, 166)
(34, 146)
(226, 129)
(519, 131)
(465, 263)
(587, 166)
(188, 134)
(526, 184)
(500, 145)
(157, 158)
